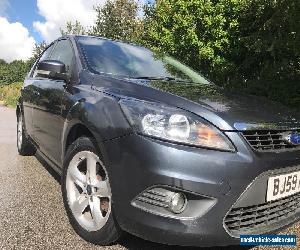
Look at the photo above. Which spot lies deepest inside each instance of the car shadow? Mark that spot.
(47, 167)
(132, 242)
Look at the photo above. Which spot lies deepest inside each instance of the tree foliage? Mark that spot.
(229, 40)
(250, 45)
(118, 19)
(12, 72)
(17, 70)
(199, 32)
(269, 39)
(73, 29)
(37, 51)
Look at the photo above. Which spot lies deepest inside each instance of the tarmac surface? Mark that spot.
(32, 215)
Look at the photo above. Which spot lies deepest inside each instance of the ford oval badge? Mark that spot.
(292, 138)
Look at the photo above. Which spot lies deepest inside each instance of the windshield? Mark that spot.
(132, 61)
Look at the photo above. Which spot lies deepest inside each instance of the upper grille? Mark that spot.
(271, 140)
(262, 218)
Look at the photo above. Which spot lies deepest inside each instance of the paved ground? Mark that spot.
(31, 209)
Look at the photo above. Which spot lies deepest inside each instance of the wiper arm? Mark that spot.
(154, 78)
(162, 78)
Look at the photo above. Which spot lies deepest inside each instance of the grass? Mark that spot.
(9, 94)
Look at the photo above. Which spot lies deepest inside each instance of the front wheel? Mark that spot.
(87, 195)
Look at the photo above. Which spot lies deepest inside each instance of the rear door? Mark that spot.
(48, 120)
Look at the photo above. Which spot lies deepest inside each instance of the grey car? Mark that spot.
(146, 145)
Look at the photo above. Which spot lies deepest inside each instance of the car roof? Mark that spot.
(98, 37)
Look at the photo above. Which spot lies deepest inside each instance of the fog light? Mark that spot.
(177, 203)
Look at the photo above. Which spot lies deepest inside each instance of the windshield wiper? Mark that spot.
(162, 78)
(155, 78)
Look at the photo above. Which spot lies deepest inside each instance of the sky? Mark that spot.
(26, 22)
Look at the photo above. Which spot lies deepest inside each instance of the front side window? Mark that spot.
(132, 61)
(63, 52)
(44, 56)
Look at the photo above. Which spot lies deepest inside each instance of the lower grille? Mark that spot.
(262, 218)
(272, 140)
(157, 197)
(159, 200)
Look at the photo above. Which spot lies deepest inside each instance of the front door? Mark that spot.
(47, 118)
(30, 95)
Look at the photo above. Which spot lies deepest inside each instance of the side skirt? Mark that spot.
(56, 168)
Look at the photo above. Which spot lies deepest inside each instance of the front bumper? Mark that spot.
(137, 163)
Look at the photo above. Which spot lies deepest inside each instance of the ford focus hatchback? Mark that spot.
(146, 145)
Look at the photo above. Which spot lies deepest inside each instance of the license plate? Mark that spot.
(283, 185)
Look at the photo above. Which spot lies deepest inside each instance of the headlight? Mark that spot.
(173, 124)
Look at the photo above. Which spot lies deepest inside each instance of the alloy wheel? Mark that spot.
(88, 190)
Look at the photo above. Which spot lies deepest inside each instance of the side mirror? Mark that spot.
(52, 69)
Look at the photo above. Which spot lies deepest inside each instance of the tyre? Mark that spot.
(25, 147)
(87, 195)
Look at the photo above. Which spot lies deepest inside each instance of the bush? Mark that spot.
(10, 94)
(13, 72)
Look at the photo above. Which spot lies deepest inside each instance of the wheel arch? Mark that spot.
(74, 131)
(76, 125)
(99, 115)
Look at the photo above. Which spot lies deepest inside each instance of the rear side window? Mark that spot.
(63, 52)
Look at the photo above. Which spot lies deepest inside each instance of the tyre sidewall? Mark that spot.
(110, 232)
(26, 148)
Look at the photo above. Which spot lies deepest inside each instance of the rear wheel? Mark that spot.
(25, 147)
(87, 195)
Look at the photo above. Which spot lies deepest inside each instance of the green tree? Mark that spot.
(268, 52)
(231, 41)
(12, 72)
(37, 51)
(16, 71)
(269, 39)
(118, 19)
(199, 32)
(73, 29)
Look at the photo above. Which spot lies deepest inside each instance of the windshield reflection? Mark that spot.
(131, 61)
